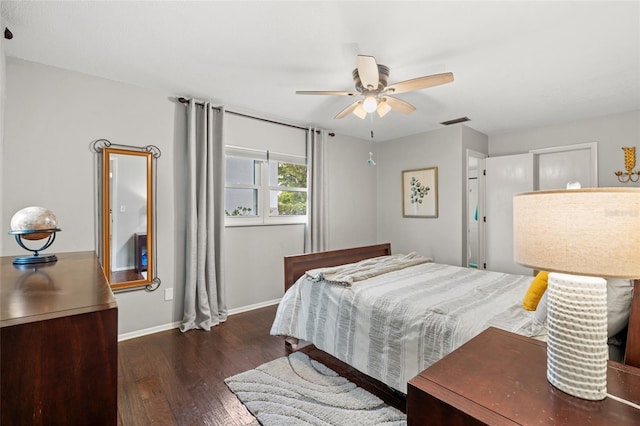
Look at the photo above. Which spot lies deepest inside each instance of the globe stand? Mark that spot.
(36, 258)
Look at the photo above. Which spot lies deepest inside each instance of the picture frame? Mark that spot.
(420, 193)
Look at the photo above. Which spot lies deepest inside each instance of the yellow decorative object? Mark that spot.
(629, 164)
(536, 289)
(629, 158)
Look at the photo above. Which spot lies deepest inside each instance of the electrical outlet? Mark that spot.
(168, 294)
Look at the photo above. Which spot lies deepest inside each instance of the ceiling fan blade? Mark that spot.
(348, 110)
(327, 92)
(420, 83)
(399, 105)
(368, 71)
(383, 107)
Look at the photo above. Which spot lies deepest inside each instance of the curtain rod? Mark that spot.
(185, 101)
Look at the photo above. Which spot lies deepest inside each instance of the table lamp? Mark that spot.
(580, 236)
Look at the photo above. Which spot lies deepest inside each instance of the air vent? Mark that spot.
(455, 121)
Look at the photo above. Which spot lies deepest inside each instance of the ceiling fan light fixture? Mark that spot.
(371, 83)
(383, 108)
(370, 104)
(359, 111)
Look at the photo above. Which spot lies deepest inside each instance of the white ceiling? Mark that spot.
(517, 65)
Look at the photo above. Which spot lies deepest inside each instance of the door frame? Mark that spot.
(481, 209)
(591, 146)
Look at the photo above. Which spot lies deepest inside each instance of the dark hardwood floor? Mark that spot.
(126, 275)
(175, 378)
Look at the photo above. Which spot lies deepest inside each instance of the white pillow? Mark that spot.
(541, 309)
(619, 295)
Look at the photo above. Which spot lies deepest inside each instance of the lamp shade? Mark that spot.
(593, 232)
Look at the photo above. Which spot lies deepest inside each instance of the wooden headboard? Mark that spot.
(296, 266)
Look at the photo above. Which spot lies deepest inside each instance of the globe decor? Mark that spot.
(34, 224)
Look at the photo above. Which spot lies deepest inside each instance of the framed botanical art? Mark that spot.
(420, 192)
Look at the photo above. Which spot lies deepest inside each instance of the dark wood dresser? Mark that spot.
(499, 378)
(59, 343)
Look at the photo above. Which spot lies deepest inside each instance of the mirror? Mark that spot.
(127, 215)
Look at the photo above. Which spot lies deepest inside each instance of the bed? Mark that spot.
(394, 325)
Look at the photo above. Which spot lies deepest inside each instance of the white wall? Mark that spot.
(254, 262)
(352, 193)
(611, 132)
(254, 255)
(446, 148)
(438, 237)
(51, 118)
(53, 115)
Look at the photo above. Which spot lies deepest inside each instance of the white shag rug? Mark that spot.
(297, 390)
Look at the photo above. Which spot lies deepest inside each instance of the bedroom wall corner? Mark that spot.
(611, 132)
(439, 237)
(352, 193)
(51, 117)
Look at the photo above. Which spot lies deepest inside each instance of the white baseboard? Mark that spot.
(254, 306)
(170, 326)
(146, 331)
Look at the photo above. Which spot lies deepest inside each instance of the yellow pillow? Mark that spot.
(536, 289)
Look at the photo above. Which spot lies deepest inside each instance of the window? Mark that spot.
(287, 189)
(242, 185)
(264, 188)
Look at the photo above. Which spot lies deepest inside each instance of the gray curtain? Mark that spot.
(317, 230)
(204, 294)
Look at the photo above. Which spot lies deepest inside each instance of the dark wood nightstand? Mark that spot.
(499, 378)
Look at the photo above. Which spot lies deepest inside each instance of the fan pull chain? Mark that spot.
(370, 160)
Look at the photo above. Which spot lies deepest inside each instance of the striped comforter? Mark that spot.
(395, 325)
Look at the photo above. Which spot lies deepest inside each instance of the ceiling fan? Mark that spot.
(371, 80)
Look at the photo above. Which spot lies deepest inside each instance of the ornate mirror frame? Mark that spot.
(141, 279)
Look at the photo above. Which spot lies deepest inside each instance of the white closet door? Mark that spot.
(571, 163)
(505, 177)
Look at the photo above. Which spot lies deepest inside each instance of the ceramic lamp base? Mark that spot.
(577, 351)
